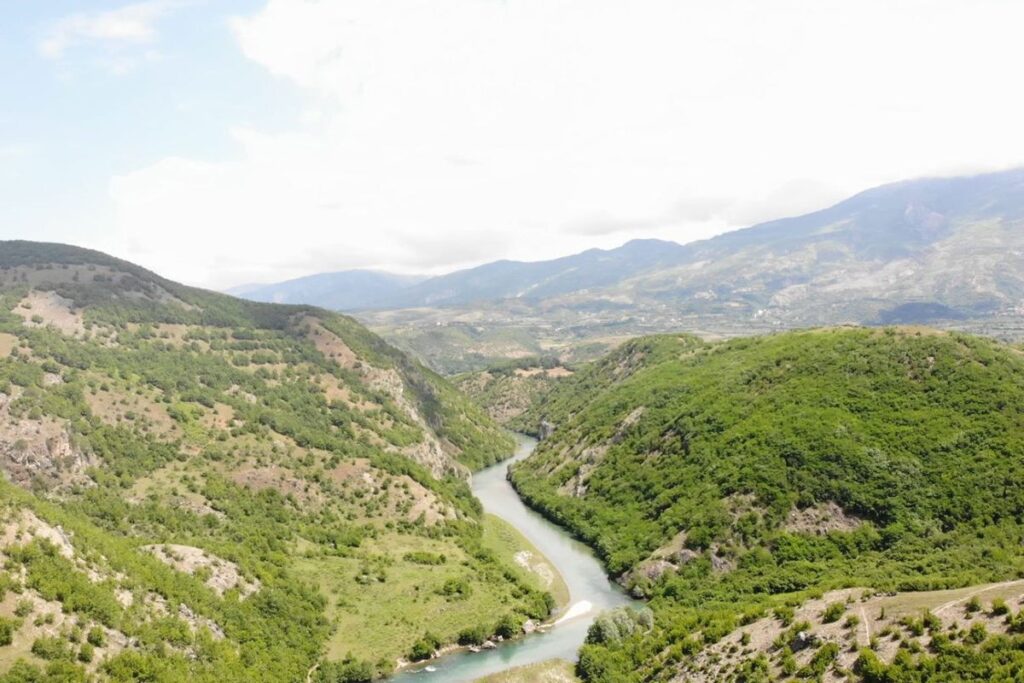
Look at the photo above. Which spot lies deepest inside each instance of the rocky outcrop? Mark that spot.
(39, 448)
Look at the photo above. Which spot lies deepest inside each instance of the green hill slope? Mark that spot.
(723, 480)
(196, 481)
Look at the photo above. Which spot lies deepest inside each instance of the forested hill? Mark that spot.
(724, 480)
(203, 488)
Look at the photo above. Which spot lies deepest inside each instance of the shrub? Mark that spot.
(96, 637)
(509, 626)
(832, 612)
(425, 647)
(977, 633)
(7, 629)
(784, 613)
(23, 608)
(475, 635)
(49, 647)
(86, 653)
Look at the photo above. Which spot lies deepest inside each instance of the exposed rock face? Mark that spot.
(223, 575)
(545, 429)
(38, 448)
(821, 519)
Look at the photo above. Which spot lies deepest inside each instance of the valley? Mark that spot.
(199, 488)
(506, 341)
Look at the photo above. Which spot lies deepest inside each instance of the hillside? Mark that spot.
(507, 391)
(203, 488)
(723, 481)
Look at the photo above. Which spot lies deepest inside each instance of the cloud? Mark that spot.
(445, 132)
(133, 24)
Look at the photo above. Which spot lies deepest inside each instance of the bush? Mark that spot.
(49, 647)
(86, 653)
(425, 647)
(7, 629)
(784, 613)
(475, 635)
(456, 589)
(350, 670)
(23, 608)
(96, 637)
(423, 557)
(977, 633)
(509, 626)
(618, 624)
(832, 612)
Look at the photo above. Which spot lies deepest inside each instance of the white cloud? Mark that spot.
(133, 24)
(446, 132)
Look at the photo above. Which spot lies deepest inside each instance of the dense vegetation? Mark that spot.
(208, 486)
(723, 480)
(506, 390)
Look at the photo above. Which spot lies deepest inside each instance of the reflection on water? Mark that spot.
(590, 590)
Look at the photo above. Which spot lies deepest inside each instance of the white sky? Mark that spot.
(438, 134)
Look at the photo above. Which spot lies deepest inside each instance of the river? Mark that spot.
(590, 589)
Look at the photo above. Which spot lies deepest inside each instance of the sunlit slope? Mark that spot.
(186, 467)
(717, 479)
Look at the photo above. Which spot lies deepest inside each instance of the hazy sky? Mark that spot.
(229, 141)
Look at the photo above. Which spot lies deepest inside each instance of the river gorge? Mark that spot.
(591, 591)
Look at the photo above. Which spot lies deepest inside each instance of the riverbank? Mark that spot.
(551, 671)
(516, 550)
(590, 591)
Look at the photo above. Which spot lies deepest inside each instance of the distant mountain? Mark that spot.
(540, 280)
(946, 251)
(347, 290)
(956, 244)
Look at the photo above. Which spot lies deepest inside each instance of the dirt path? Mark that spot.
(867, 626)
(952, 603)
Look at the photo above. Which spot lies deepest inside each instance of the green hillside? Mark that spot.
(508, 390)
(725, 480)
(198, 486)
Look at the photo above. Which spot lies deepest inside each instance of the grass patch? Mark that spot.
(381, 603)
(505, 541)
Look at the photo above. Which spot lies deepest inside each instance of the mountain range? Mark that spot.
(940, 250)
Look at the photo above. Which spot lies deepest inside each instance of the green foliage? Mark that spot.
(55, 578)
(456, 589)
(424, 557)
(178, 396)
(475, 635)
(51, 647)
(617, 625)
(7, 629)
(509, 626)
(833, 612)
(917, 435)
(349, 670)
(425, 647)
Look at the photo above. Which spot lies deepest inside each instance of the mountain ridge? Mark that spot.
(944, 250)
